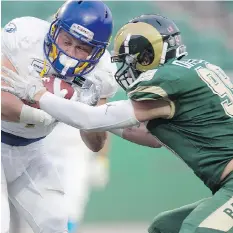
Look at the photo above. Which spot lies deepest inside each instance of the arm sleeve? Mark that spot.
(118, 114)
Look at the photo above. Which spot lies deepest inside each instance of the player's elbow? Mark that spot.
(155, 145)
(94, 141)
(99, 141)
(97, 147)
(151, 141)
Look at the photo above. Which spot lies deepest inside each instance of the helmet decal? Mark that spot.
(146, 36)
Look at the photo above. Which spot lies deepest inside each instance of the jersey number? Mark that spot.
(220, 84)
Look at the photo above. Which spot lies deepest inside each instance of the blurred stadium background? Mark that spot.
(144, 181)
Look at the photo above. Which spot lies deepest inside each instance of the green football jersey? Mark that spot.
(200, 128)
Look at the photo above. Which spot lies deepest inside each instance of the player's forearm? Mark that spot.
(88, 118)
(138, 135)
(11, 107)
(14, 110)
(94, 140)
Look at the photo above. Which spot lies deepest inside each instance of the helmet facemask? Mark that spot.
(127, 73)
(64, 64)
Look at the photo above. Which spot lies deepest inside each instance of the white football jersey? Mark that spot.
(22, 43)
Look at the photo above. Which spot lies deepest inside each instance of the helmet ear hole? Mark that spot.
(146, 57)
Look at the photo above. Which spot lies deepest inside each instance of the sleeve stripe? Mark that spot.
(144, 96)
(150, 89)
(151, 93)
(173, 109)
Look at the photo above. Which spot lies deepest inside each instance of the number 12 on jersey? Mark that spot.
(220, 84)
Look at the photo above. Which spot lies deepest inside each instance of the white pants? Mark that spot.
(81, 171)
(73, 154)
(32, 184)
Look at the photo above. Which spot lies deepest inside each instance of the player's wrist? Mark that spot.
(30, 115)
(118, 132)
(39, 94)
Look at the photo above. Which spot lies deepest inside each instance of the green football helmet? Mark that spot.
(143, 44)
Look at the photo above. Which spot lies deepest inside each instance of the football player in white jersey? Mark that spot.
(73, 46)
(83, 168)
(70, 48)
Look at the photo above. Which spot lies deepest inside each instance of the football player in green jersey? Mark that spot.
(199, 124)
(188, 107)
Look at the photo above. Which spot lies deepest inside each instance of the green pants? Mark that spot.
(211, 215)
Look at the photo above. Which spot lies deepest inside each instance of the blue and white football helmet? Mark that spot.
(88, 21)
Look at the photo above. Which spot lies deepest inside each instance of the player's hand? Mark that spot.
(23, 87)
(90, 91)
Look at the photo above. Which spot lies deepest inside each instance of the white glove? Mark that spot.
(90, 91)
(23, 87)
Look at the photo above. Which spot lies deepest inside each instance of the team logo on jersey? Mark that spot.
(10, 27)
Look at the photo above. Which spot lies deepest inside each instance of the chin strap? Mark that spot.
(175, 53)
(164, 53)
(181, 51)
(44, 70)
